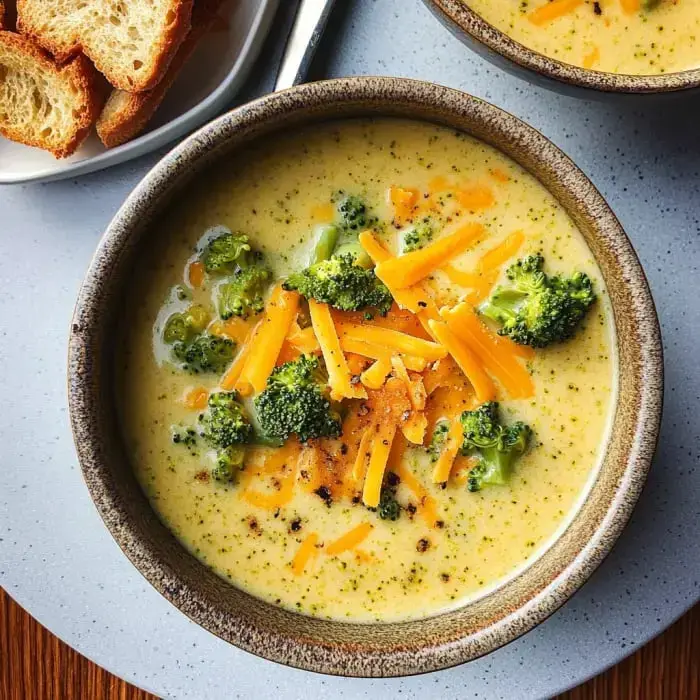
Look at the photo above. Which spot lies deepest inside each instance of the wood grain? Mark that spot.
(35, 665)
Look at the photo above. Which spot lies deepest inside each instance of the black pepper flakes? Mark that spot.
(324, 493)
(423, 545)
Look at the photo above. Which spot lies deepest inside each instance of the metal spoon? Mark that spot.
(309, 23)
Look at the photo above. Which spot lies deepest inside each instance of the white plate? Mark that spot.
(206, 85)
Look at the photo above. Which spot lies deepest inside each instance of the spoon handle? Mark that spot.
(309, 24)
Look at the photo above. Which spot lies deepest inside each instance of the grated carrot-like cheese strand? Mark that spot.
(554, 9)
(416, 299)
(426, 503)
(360, 465)
(495, 356)
(339, 376)
(591, 58)
(231, 379)
(443, 467)
(403, 200)
(306, 551)
(280, 311)
(407, 270)
(392, 340)
(195, 274)
(630, 7)
(376, 352)
(375, 376)
(401, 373)
(196, 398)
(483, 386)
(349, 540)
(415, 427)
(304, 340)
(379, 454)
(505, 250)
(476, 197)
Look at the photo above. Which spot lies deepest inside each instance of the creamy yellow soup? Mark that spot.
(449, 545)
(633, 37)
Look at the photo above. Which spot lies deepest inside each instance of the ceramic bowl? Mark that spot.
(512, 56)
(377, 650)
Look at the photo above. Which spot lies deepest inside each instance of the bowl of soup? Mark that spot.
(365, 377)
(617, 46)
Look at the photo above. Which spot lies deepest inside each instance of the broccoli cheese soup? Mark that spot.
(368, 369)
(632, 37)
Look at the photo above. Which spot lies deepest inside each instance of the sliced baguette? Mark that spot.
(42, 104)
(131, 43)
(126, 113)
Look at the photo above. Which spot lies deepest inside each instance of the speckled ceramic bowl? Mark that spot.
(333, 647)
(512, 56)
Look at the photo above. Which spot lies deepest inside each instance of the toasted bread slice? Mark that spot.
(131, 43)
(8, 15)
(126, 113)
(42, 104)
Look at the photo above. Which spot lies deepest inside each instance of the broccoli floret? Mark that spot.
(437, 442)
(355, 214)
(389, 508)
(225, 422)
(342, 284)
(243, 293)
(495, 445)
(357, 252)
(205, 354)
(183, 327)
(536, 309)
(224, 253)
(229, 461)
(418, 236)
(295, 401)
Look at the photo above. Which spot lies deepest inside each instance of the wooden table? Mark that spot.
(35, 665)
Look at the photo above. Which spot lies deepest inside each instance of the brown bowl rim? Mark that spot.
(457, 14)
(339, 648)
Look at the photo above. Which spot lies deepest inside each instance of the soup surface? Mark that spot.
(632, 37)
(293, 526)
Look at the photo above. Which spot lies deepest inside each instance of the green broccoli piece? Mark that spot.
(418, 236)
(536, 309)
(183, 327)
(325, 243)
(296, 401)
(437, 442)
(242, 294)
(223, 253)
(357, 252)
(225, 422)
(205, 354)
(355, 214)
(342, 284)
(389, 508)
(229, 461)
(497, 446)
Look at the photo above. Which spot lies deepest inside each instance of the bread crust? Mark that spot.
(126, 114)
(80, 73)
(2, 15)
(167, 46)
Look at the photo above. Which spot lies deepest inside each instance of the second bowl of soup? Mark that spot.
(624, 46)
(369, 393)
